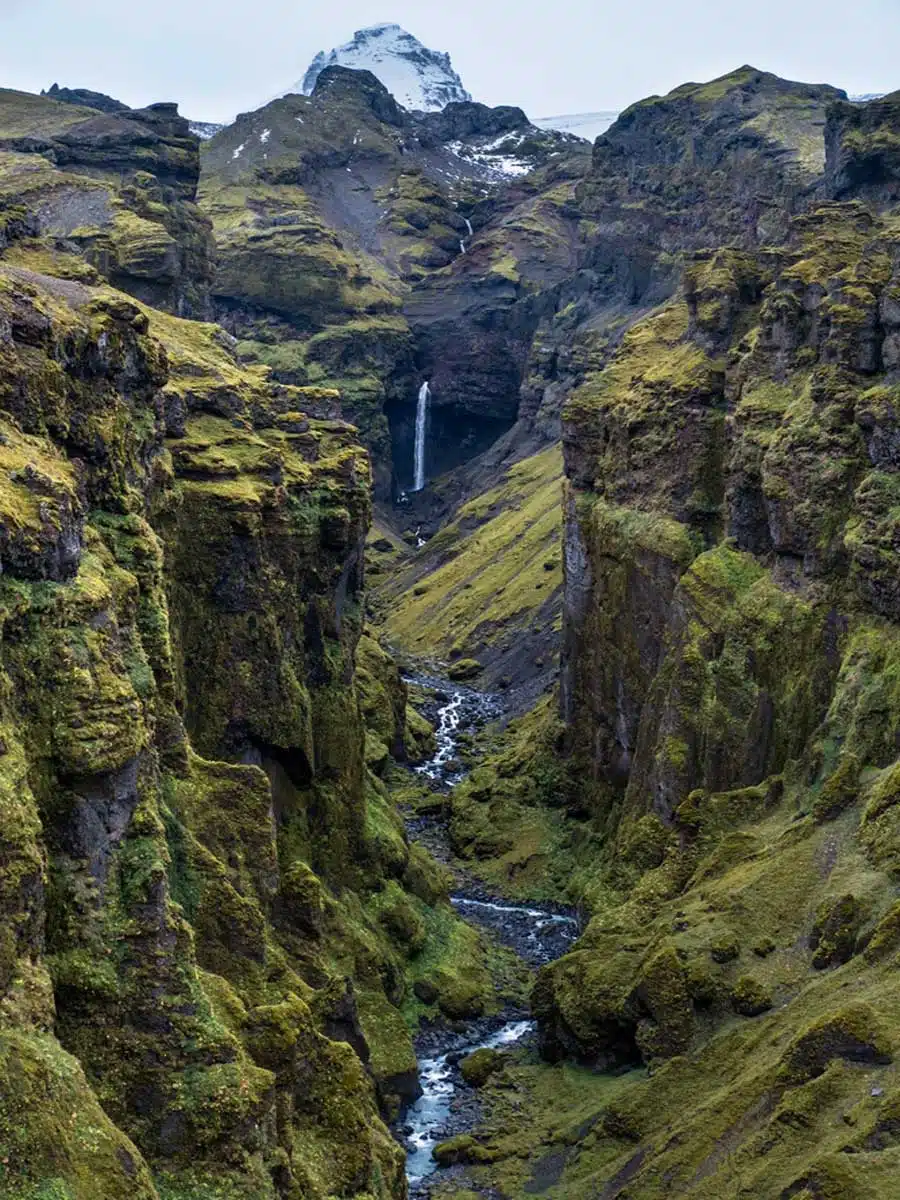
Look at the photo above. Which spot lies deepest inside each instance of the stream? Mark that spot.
(538, 933)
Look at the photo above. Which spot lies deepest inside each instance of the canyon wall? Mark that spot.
(730, 690)
(211, 914)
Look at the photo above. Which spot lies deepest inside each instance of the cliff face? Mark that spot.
(360, 203)
(729, 684)
(144, 883)
(118, 188)
(862, 151)
(210, 911)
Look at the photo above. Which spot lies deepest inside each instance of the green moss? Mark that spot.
(465, 668)
(56, 1142)
(400, 917)
(477, 1068)
(487, 584)
(507, 816)
(463, 1149)
(853, 1033)
(750, 998)
(25, 115)
(886, 936)
(836, 929)
(451, 971)
(393, 1059)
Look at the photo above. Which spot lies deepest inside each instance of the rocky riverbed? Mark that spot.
(537, 933)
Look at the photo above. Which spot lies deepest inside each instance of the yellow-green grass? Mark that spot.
(24, 115)
(470, 589)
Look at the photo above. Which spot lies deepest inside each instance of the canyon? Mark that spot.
(450, 674)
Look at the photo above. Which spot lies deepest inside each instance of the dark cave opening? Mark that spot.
(455, 436)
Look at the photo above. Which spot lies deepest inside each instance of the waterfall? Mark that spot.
(421, 434)
(462, 246)
(469, 227)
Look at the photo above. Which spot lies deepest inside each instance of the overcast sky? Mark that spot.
(553, 57)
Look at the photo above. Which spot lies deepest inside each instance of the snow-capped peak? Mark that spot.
(418, 78)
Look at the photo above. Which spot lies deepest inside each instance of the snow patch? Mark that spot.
(265, 135)
(418, 78)
(204, 130)
(505, 139)
(500, 166)
(507, 165)
(240, 150)
(583, 125)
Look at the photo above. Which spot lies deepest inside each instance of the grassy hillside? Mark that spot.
(488, 585)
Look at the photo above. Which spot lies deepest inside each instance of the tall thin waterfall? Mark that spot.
(421, 435)
(469, 226)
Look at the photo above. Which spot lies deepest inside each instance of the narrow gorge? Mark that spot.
(450, 644)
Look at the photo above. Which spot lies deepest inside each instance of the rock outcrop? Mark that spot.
(728, 685)
(85, 98)
(862, 151)
(156, 922)
(117, 187)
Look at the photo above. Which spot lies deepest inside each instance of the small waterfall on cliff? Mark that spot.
(421, 434)
(469, 227)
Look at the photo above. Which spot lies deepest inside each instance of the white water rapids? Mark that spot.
(431, 1110)
(539, 935)
(445, 738)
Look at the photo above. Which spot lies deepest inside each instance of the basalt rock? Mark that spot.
(863, 157)
(117, 186)
(85, 98)
(729, 676)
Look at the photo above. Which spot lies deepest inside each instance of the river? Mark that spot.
(538, 933)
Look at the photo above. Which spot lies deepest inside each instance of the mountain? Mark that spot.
(358, 202)
(417, 77)
(205, 130)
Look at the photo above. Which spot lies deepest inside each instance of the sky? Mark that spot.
(551, 58)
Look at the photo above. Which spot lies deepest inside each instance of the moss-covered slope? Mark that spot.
(730, 687)
(212, 918)
(488, 586)
(118, 188)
